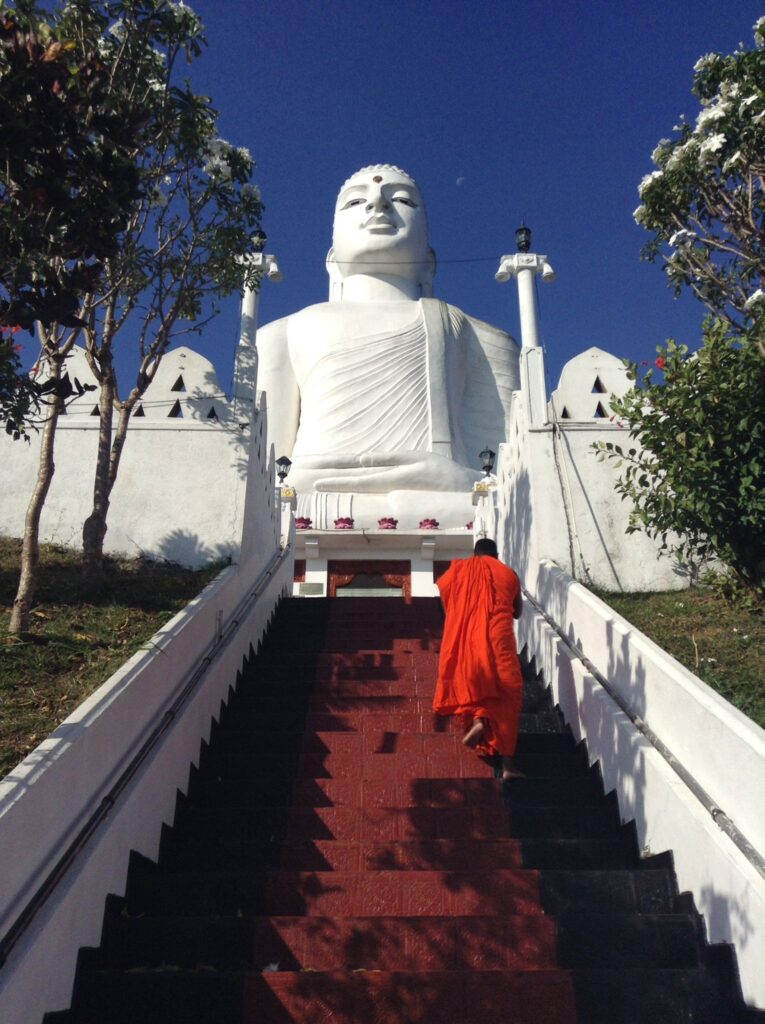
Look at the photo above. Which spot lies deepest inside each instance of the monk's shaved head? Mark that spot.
(486, 546)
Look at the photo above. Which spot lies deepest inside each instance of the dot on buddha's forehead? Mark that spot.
(377, 177)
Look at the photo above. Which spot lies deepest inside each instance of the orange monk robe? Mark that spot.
(479, 674)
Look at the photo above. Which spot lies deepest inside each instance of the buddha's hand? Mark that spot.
(380, 472)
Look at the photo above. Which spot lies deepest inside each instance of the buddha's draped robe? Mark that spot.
(367, 395)
(479, 674)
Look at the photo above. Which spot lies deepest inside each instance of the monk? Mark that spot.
(479, 675)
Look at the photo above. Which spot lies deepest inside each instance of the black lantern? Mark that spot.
(259, 240)
(487, 457)
(523, 238)
(282, 467)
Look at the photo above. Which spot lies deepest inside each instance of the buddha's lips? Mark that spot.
(378, 222)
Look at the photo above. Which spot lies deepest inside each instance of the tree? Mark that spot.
(137, 44)
(179, 252)
(18, 396)
(705, 203)
(697, 479)
(67, 177)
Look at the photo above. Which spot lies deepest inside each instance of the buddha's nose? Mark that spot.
(377, 202)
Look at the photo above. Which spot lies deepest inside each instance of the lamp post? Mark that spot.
(246, 363)
(524, 266)
(487, 457)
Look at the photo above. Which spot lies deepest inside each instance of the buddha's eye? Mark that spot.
(356, 201)
(406, 201)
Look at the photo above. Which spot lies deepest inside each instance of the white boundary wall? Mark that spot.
(722, 749)
(180, 490)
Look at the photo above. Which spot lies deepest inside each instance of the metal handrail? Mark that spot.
(719, 817)
(70, 854)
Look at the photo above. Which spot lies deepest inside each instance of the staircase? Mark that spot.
(341, 857)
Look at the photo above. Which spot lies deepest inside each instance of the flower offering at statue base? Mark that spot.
(429, 524)
(344, 523)
(303, 523)
(387, 523)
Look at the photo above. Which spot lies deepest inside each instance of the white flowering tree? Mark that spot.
(177, 253)
(705, 203)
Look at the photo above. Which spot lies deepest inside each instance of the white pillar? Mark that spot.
(525, 266)
(246, 361)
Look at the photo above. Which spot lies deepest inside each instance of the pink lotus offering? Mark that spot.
(344, 523)
(303, 523)
(387, 523)
(428, 524)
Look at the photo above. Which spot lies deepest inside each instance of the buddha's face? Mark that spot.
(380, 226)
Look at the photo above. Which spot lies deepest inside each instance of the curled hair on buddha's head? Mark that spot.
(486, 546)
(379, 167)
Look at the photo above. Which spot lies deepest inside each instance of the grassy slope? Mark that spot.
(724, 645)
(77, 641)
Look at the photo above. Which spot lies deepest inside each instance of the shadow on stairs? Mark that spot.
(339, 856)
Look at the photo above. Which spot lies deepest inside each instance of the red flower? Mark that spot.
(660, 362)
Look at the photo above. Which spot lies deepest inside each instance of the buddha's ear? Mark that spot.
(428, 273)
(335, 277)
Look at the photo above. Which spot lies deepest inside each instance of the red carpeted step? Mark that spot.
(392, 792)
(402, 893)
(458, 764)
(389, 824)
(406, 855)
(456, 943)
(418, 997)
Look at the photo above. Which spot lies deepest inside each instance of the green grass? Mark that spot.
(76, 640)
(723, 644)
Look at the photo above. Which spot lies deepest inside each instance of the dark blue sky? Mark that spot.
(501, 111)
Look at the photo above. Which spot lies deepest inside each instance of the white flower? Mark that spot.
(710, 146)
(731, 162)
(748, 102)
(167, 180)
(638, 214)
(759, 31)
(663, 143)
(755, 299)
(217, 165)
(244, 153)
(711, 114)
(702, 62)
(117, 29)
(682, 237)
(648, 180)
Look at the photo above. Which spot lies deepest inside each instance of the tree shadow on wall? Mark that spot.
(186, 548)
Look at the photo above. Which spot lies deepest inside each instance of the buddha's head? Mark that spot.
(381, 228)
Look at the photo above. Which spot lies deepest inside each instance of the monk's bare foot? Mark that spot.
(474, 734)
(509, 771)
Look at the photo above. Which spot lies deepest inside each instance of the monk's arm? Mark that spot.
(277, 378)
(518, 604)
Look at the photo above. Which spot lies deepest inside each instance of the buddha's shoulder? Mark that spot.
(320, 312)
(466, 323)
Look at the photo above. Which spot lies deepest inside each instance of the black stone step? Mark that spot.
(650, 891)
(159, 996)
(609, 940)
(663, 996)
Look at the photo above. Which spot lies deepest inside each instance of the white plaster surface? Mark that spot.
(180, 491)
(721, 748)
(556, 500)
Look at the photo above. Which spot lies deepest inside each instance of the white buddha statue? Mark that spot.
(383, 396)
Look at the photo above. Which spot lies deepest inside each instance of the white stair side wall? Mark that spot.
(727, 889)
